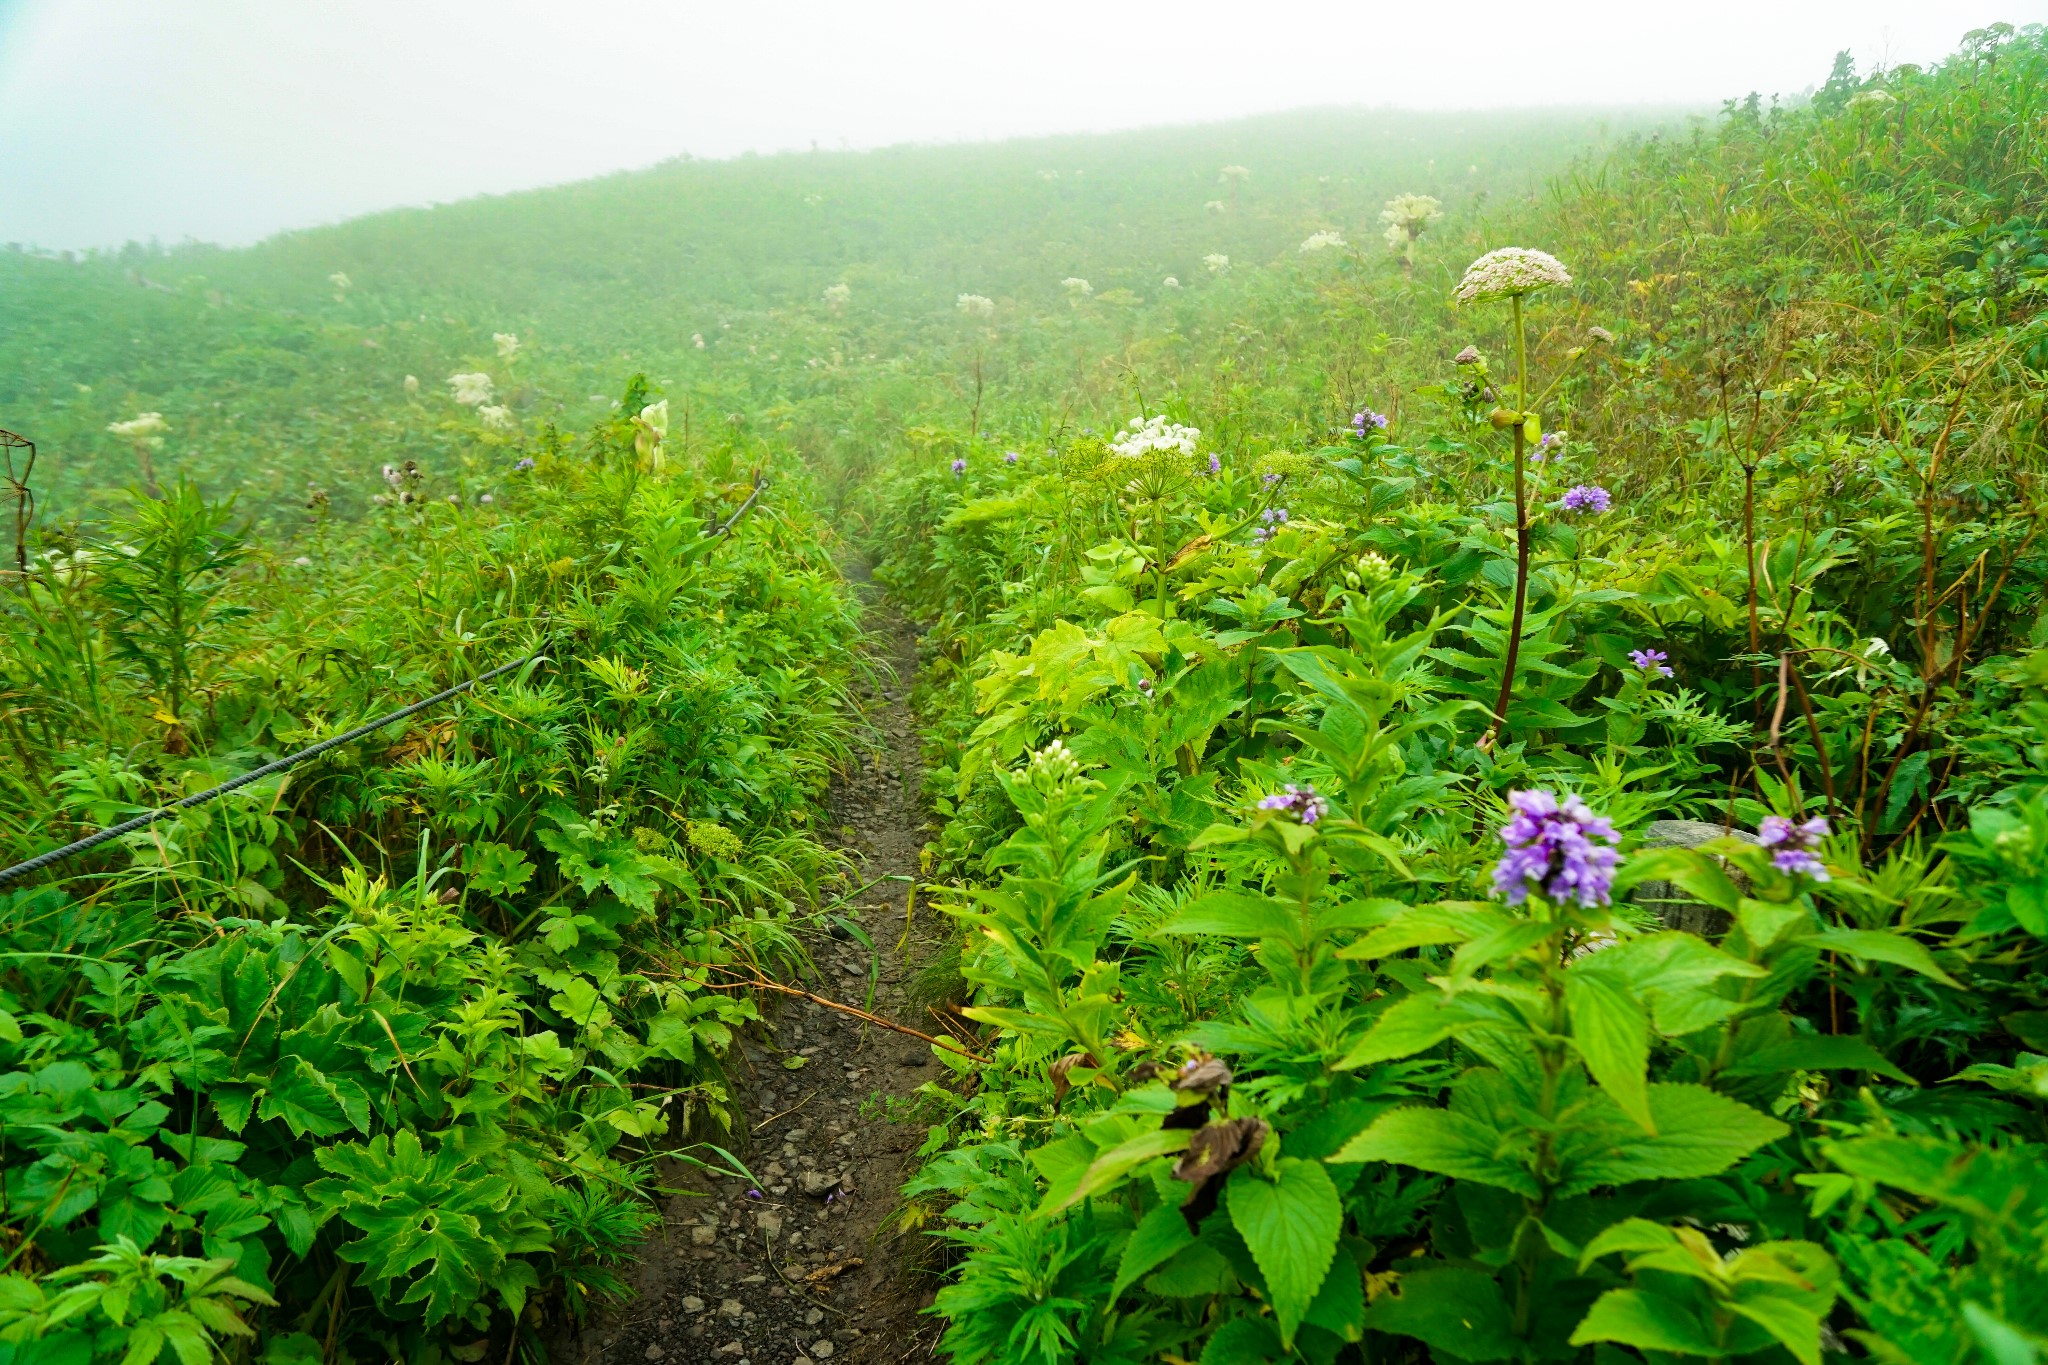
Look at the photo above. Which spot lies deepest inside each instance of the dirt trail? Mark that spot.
(820, 1136)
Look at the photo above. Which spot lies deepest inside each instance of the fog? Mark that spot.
(228, 120)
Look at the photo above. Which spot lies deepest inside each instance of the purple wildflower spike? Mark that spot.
(1300, 802)
(1586, 497)
(1654, 662)
(1560, 848)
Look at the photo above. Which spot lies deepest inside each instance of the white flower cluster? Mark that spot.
(147, 426)
(495, 418)
(1509, 272)
(508, 344)
(1322, 241)
(977, 305)
(1170, 282)
(1230, 173)
(1076, 287)
(1407, 215)
(412, 385)
(1052, 768)
(339, 280)
(836, 295)
(1143, 437)
(471, 390)
(697, 340)
(1217, 262)
(1214, 206)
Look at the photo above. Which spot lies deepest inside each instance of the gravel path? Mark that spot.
(813, 1269)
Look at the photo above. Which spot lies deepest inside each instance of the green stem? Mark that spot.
(1522, 546)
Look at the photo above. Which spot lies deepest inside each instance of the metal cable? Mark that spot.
(148, 818)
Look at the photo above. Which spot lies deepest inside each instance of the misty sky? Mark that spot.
(227, 120)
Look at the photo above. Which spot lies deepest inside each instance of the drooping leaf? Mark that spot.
(1612, 1034)
(1290, 1223)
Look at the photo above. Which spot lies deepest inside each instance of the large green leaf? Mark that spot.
(1159, 1235)
(1875, 945)
(1649, 1322)
(1290, 1223)
(1457, 1312)
(1817, 1052)
(1447, 1143)
(1612, 1034)
(1698, 1133)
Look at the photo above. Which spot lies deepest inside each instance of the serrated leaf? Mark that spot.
(1699, 1133)
(1794, 1326)
(1158, 1237)
(1650, 1322)
(1290, 1225)
(1612, 1034)
(1817, 1052)
(1444, 1142)
(1111, 1166)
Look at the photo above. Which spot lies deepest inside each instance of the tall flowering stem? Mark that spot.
(1523, 538)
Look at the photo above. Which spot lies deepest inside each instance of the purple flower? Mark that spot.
(959, 468)
(1557, 847)
(1145, 686)
(1546, 447)
(753, 1194)
(1010, 457)
(1274, 478)
(526, 463)
(1586, 497)
(1654, 662)
(1300, 802)
(1274, 514)
(1367, 420)
(1215, 463)
(1792, 845)
(1261, 534)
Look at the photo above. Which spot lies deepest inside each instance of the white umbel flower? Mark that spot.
(977, 305)
(697, 340)
(836, 296)
(145, 426)
(1217, 262)
(508, 344)
(471, 390)
(1214, 206)
(495, 418)
(1144, 436)
(1076, 287)
(1170, 282)
(1232, 173)
(1321, 241)
(1509, 272)
(339, 280)
(1407, 215)
(412, 385)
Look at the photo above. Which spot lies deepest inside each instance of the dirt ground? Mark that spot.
(809, 1267)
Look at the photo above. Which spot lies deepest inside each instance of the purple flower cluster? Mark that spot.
(1215, 463)
(1010, 457)
(1366, 420)
(1654, 662)
(1586, 497)
(1546, 447)
(1557, 847)
(1273, 478)
(524, 464)
(959, 468)
(1300, 802)
(1792, 845)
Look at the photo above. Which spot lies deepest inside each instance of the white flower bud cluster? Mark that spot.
(836, 295)
(1407, 215)
(496, 418)
(1217, 262)
(508, 344)
(977, 305)
(1321, 241)
(471, 390)
(147, 426)
(1509, 272)
(1053, 767)
(1076, 287)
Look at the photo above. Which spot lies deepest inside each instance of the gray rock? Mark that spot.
(1670, 902)
(820, 1183)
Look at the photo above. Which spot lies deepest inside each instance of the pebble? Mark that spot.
(656, 1351)
(702, 1236)
(732, 1308)
(814, 1317)
(823, 1348)
(692, 1304)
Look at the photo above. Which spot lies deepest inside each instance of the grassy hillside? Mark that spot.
(271, 375)
(1491, 807)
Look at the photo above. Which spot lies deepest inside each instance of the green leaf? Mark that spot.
(1698, 1133)
(1612, 1034)
(309, 1101)
(1454, 1311)
(1875, 945)
(1817, 1052)
(1424, 925)
(1158, 1237)
(1291, 1225)
(1405, 1028)
(1795, 1326)
(1648, 1322)
(1699, 873)
(1447, 1143)
(1232, 914)
(1119, 1161)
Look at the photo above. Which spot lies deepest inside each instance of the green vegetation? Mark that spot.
(1309, 657)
